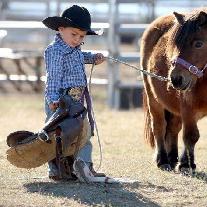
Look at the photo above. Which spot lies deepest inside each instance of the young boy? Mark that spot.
(65, 68)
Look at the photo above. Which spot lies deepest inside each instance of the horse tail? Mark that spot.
(148, 135)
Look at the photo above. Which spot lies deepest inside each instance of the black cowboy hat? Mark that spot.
(75, 16)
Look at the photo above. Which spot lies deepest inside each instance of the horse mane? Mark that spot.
(190, 26)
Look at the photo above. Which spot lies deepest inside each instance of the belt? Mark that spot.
(75, 92)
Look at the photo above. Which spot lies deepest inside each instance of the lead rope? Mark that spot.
(93, 114)
(161, 78)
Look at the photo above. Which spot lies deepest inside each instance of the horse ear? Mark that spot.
(202, 18)
(180, 17)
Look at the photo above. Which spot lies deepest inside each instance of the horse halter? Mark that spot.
(191, 68)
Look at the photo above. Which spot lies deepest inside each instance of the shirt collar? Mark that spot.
(60, 44)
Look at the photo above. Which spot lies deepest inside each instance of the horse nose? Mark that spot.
(177, 81)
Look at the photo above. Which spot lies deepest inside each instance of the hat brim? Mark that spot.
(55, 22)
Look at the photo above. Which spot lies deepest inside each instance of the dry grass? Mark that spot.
(124, 155)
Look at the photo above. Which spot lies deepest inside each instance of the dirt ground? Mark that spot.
(125, 154)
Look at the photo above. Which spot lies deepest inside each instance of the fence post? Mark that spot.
(58, 8)
(113, 48)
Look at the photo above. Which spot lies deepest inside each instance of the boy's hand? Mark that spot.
(53, 106)
(99, 58)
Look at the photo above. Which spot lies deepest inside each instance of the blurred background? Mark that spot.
(23, 39)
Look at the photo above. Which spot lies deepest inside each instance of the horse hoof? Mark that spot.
(165, 167)
(186, 171)
(173, 165)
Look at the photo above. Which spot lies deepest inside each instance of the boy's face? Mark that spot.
(72, 36)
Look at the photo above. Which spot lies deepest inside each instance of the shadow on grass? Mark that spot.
(93, 194)
(200, 175)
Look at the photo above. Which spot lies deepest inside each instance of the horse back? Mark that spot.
(152, 35)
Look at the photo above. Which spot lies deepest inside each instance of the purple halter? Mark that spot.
(192, 68)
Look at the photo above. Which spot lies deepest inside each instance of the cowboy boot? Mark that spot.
(86, 174)
(96, 174)
(53, 171)
(69, 175)
(67, 171)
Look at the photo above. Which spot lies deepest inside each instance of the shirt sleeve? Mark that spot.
(89, 58)
(54, 72)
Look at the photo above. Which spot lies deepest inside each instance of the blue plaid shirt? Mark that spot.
(64, 68)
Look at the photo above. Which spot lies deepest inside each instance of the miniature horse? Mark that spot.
(175, 46)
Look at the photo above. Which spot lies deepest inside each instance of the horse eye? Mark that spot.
(198, 44)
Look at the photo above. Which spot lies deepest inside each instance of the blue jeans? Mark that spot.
(85, 153)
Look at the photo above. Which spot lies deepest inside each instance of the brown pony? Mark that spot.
(175, 46)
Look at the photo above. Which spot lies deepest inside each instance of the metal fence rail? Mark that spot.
(114, 28)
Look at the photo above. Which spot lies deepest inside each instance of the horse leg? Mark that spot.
(173, 127)
(190, 137)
